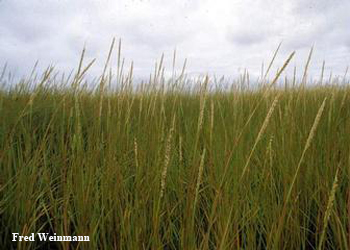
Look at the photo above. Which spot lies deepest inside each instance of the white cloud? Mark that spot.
(218, 37)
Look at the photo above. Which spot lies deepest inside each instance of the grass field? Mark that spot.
(165, 166)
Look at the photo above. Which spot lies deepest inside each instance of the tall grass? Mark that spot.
(162, 165)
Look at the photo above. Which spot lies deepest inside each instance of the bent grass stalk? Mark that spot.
(307, 145)
(206, 237)
(261, 132)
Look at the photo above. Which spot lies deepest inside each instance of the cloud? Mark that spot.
(217, 37)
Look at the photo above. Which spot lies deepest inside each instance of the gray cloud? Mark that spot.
(217, 37)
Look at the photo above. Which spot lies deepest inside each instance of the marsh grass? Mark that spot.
(164, 166)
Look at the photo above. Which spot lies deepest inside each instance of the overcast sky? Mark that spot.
(216, 36)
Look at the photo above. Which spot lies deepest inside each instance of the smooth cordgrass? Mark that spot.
(178, 163)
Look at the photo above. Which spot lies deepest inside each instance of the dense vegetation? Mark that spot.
(166, 166)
